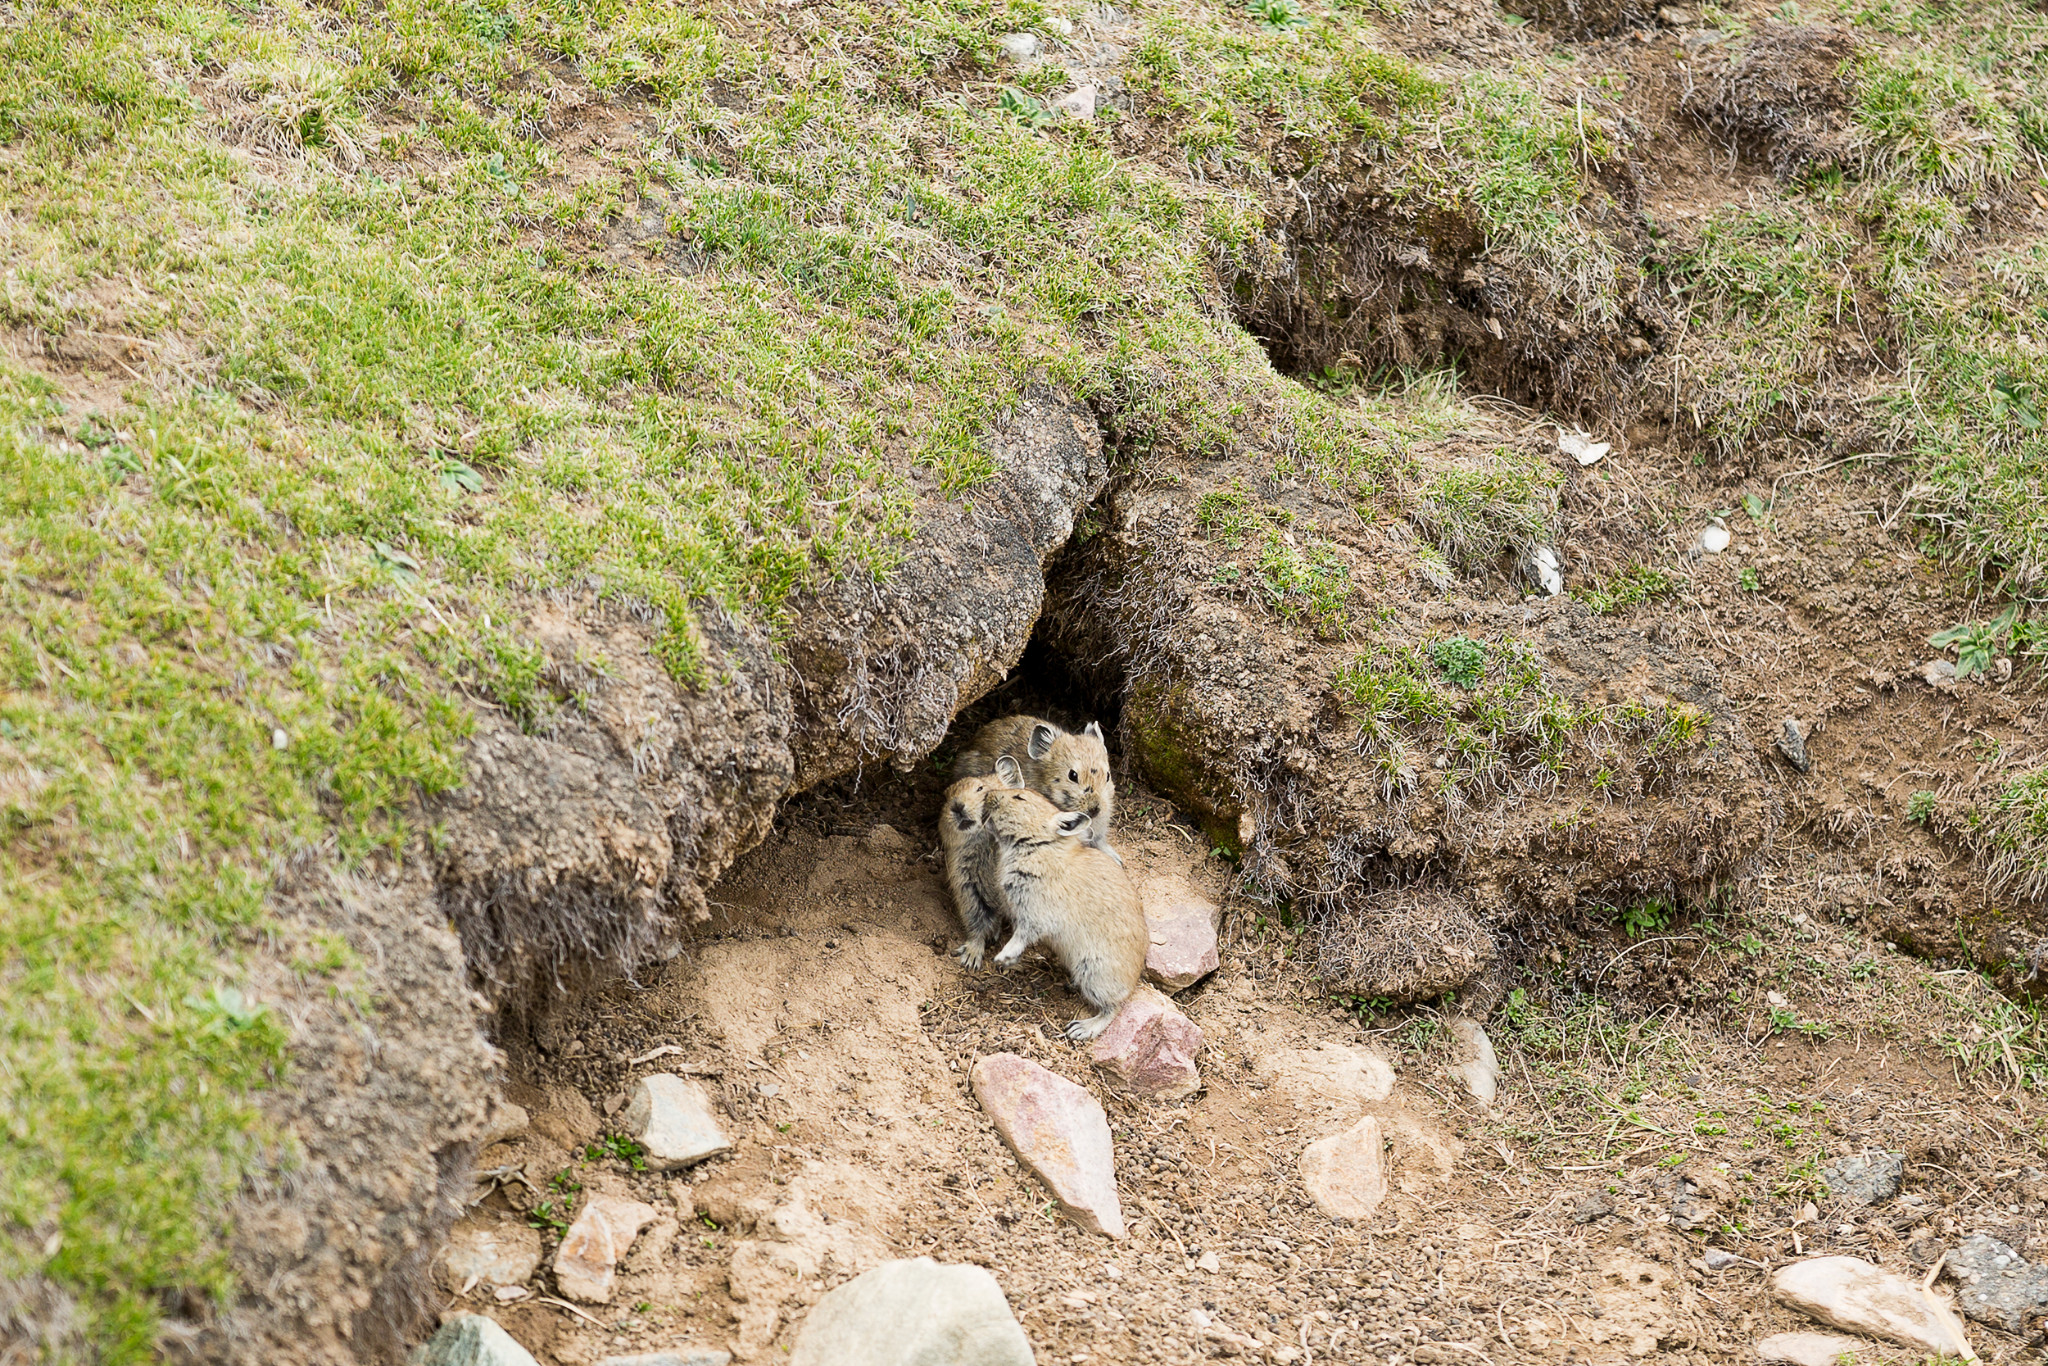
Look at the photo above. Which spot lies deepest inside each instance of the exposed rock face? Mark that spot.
(884, 670)
(1848, 1292)
(1150, 1047)
(675, 1356)
(672, 1120)
(1057, 1130)
(587, 1262)
(333, 1263)
(1346, 1173)
(914, 1313)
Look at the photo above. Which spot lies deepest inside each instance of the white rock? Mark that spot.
(1547, 571)
(913, 1313)
(1019, 46)
(1345, 1174)
(672, 1120)
(1063, 27)
(1715, 539)
(1339, 1077)
(1582, 448)
(1477, 1069)
(1848, 1292)
(1077, 103)
(1938, 673)
(482, 1250)
(1810, 1349)
(587, 1262)
(472, 1340)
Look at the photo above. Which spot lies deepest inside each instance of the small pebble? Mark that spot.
(1715, 539)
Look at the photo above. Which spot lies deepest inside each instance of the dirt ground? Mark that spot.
(839, 1038)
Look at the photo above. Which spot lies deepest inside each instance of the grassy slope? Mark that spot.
(383, 388)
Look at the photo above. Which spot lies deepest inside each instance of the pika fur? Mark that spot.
(970, 852)
(1072, 769)
(1075, 898)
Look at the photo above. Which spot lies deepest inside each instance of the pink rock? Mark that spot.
(1183, 927)
(586, 1264)
(1150, 1047)
(1057, 1130)
(1346, 1173)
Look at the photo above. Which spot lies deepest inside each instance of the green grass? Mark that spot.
(1626, 587)
(1486, 710)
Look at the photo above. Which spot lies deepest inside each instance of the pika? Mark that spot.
(1071, 769)
(972, 874)
(1065, 892)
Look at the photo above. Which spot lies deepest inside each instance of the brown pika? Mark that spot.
(1070, 768)
(970, 851)
(1070, 895)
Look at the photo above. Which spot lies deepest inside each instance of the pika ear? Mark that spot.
(1040, 743)
(1008, 773)
(1093, 731)
(1072, 822)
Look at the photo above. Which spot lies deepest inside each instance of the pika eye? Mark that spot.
(1072, 776)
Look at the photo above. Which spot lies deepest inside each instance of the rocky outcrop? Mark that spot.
(581, 845)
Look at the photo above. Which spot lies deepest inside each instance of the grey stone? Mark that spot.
(672, 1120)
(914, 1313)
(1019, 47)
(674, 1356)
(1792, 744)
(1865, 1179)
(1592, 1205)
(1997, 1286)
(472, 1340)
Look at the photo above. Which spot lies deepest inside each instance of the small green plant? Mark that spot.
(1748, 582)
(1862, 970)
(619, 1148)
(1277, 15)
(1460, 660)
(1646, 918)
(1976, 642)
(1750, 944)
(1023, 108)
(1920, 807)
